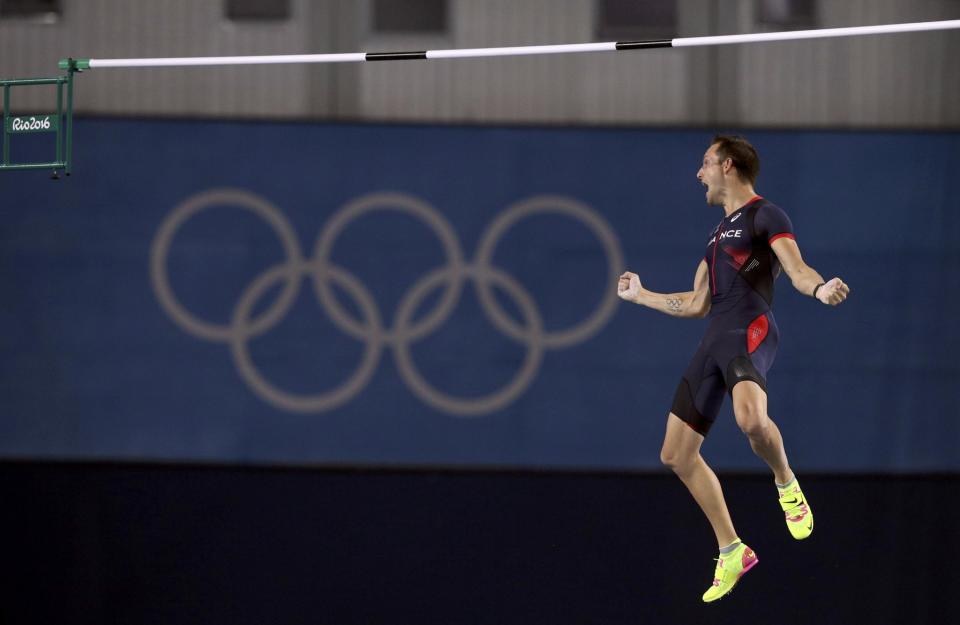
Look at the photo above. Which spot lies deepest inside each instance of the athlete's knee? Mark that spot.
(752, 419)
(668, 456)
(750, 409)
(679, 461)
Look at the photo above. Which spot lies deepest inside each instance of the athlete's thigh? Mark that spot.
(700, 392)
(745, 350)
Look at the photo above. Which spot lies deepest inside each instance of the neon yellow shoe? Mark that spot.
(797, 511)
(730, 568)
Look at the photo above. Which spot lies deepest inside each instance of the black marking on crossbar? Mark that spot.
(396, 56)
(639, 45)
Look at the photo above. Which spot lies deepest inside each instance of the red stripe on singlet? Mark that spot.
(780, 236)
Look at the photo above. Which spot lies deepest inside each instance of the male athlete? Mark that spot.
(734, 285)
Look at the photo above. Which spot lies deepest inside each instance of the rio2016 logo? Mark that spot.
(28, 124)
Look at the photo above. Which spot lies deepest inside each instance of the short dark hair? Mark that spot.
(743, 155)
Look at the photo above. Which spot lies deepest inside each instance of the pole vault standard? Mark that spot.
(608, 46)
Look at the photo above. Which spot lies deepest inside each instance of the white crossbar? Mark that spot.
(355, 57)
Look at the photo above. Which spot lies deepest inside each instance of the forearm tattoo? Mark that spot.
(674, 304)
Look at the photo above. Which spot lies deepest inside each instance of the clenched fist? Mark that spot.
(831, 293)
(629, 286)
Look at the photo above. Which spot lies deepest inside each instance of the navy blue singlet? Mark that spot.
(741, 339)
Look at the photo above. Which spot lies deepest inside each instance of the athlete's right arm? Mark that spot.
(695, 303)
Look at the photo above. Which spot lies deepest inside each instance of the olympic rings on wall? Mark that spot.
(369, 328)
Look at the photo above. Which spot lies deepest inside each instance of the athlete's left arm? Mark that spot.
(804, 277)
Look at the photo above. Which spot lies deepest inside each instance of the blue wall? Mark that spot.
(95, 366)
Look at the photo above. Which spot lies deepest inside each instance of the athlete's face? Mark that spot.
(710, 175)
